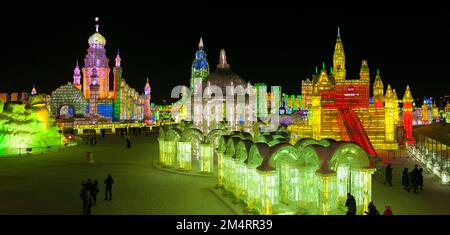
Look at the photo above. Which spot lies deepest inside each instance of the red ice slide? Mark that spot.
(356, 131)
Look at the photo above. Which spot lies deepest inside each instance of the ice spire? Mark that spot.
(200, 44)
(96, 25)
(118, 59)
(223, 60)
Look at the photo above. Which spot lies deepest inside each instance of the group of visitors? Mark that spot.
(372, 210)
(413, 179)
(89, 193)
(132, 131)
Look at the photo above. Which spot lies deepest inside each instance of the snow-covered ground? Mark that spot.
(50, 184)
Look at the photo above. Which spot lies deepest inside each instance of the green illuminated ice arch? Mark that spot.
(269, 175)
(312, 177)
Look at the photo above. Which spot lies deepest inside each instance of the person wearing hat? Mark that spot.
(388, 211)
(372, 209)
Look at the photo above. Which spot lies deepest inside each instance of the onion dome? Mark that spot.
(223, 76)
(96, 38)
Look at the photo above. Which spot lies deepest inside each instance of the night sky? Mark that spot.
(272, 45)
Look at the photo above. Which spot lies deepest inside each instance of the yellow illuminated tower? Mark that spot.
(326, 88)
(396, 109)
(389, 109)
(324, 83)
(316, 112)
(339, 60)
(364, 72)
(378, 91)
(435, 110)
(306, 93)
(425, 113)
(447, 113)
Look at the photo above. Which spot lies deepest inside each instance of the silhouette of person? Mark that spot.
(108, 190)
(420, 179)
(94, 191)
(87, 200)
(350, 204)
(128, 142)
(388, 174)
(88, 184)
(405, 179)
(372, 209)
(413, 179)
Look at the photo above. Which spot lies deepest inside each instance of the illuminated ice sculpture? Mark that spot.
(312, 177)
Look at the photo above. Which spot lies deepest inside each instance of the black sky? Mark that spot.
(272, 45)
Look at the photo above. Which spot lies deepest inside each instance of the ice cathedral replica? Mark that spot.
(207, 113)
(91, 99)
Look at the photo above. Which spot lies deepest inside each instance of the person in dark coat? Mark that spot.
(128, 142)
(405, 179)
(420, 179)
(108, 190)
(350, 204)
(88, 184)
(388, 174)
(87, 200)
(413, 179)
(94, 191)
(372, 210)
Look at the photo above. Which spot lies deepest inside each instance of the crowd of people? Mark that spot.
(410, 180)
(91, 139)
(89, 193)
(134, 131)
